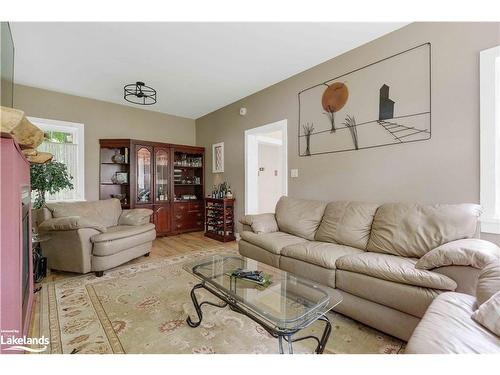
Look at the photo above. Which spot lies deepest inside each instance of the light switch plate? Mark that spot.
(294, 173)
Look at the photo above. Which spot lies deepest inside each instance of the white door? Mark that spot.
(265, 167)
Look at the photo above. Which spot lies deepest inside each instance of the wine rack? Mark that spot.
(219, 219)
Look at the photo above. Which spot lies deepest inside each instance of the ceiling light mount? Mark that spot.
(139, 93)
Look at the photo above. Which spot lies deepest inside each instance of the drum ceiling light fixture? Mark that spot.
(139, 93)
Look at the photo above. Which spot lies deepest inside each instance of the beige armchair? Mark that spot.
(94, 236)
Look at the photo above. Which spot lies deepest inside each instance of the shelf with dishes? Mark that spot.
(114, 171)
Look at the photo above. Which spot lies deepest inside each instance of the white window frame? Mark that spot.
(490, 139)
(77, 129)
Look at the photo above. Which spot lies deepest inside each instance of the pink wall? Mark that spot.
(15, 174)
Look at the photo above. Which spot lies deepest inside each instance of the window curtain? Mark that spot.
(66, 153)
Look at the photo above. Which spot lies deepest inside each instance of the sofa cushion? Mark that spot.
(68, 223)
(322, 254)
(272, 242)
(466, 277)
(103, 212)
(299, 217)
(394, 268)
(122, 231)
(309, 271)
(411, 230)
(261, 223)
(249, 250)
(413, 300)
(122, 237)
(347, 223)
(488, 282)
(467, 252)
(135, 216)
(447, 327)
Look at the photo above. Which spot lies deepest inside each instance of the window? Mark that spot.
(490, 139)
(65, 140)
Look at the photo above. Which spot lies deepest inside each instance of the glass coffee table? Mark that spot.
(289, 304)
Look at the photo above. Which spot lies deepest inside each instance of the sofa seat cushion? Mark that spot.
(273, 242)
(347, 223)
(122, 237)
(122, 231)
(322, 254)
(396, 269)
(299, 217)
(413, 300)
(411, 230)
(447, 327)
(309, 271)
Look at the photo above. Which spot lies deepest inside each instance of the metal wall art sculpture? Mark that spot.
(384, 103)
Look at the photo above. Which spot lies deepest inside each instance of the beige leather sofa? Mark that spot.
(94, 236)
(451, 324)
(369, 252)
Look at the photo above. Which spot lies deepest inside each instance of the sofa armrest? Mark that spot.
(466, 252)
(135, 216)
(261, 223)
(70, 250)
(68, 223)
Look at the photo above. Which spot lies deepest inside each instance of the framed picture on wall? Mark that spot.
(218, 157)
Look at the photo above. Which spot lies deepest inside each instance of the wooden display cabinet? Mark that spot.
(188, 187)
(165, 178)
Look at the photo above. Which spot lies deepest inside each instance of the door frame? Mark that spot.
(251, 142)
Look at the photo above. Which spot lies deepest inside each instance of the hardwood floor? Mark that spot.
(162, 247)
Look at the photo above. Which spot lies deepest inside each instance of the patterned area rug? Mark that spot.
(142, 308)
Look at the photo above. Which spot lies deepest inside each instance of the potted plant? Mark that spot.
(49, 178)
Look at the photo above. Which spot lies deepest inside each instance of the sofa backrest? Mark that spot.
(412, 230)
(347, 223)
(299, 217)
(103, 212)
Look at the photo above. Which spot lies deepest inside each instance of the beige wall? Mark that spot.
(444, 169)
(103, 120)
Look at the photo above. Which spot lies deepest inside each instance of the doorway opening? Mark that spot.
(266, 165)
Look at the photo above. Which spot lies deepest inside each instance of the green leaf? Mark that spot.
(51, 178)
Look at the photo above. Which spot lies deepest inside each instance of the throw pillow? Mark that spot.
(488, 314)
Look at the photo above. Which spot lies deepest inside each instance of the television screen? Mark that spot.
(7, 66)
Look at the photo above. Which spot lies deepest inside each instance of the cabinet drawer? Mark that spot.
(198, 224)
(196, 216)
(193, 216)
(188, 222)
(180, 215)
(182, 224)
(195, 206)
(180, 208)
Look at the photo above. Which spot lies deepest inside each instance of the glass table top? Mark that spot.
(289, 302)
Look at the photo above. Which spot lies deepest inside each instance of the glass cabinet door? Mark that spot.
(161, 175)
(143, 175)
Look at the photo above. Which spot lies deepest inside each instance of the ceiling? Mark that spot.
(196, 68)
